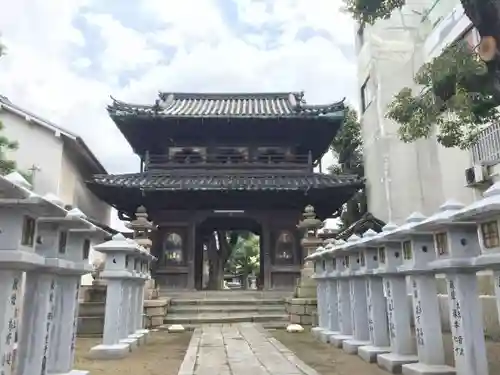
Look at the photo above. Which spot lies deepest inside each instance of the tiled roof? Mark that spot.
(227, 105)
(216, 181)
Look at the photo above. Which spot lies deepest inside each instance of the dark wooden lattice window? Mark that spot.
(63, 240)
(173, 249)
(489, 232)
(441, 242)
(28, 233)
(407, 250)
(285, 248)
(86, 249)
(381, 255)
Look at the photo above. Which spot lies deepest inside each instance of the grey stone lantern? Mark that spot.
(118, 272)
(402, 344)
(321, 294)
(457, 247)
(486, 214)
(417, 248)
(375, 299)
(357, 286)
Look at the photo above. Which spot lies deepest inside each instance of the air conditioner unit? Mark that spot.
(477, 175)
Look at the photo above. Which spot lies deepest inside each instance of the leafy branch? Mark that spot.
(457, 96)
(368, 11)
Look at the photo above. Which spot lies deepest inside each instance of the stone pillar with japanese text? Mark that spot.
(417, 252)
(402, 343)
(79, 231)
(377, 309)
(116, 342)
(19, 209)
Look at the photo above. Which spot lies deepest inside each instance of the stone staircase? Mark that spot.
(192, 309)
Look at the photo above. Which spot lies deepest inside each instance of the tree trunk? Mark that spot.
(485, 16)
(218, 257)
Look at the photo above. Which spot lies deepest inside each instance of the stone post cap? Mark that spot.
(406, 228)
(443, 217)
(118, 243)
(482, 209)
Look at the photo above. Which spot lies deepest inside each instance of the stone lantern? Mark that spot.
(142, 228)
(309, 225)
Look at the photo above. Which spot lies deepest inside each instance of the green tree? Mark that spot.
(460, 90)
(6, 165)
(245, 257)
(348, 149)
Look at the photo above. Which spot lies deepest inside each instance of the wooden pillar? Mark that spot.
(191, 249)
(266, 252)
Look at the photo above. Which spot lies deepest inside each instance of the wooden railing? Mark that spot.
(158, 162)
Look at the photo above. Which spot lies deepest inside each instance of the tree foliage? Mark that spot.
(245, 256)
(456, 97)
(6, 165)
(459, 90)
(348, 149)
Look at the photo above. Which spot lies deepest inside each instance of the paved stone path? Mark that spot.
(239, 349)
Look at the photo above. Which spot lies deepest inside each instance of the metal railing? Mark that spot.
(486, 150)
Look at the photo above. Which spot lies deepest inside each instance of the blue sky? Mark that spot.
(66, 57)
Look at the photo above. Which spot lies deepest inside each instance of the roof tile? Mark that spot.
(226, 105)
(269, 181)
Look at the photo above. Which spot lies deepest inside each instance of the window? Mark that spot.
(366, 94)
(28, 233)
(334, 263)
(441, 243)
(362, 259)
(173, 249)
(315, 264)
(346, 261)
(63, 239)
(86, 249)
(407, 251)
(381, 255)
(489, 232)
(323, 265)
(285, 248)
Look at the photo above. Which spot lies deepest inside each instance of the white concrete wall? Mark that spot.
(402, 178)
(37, 146)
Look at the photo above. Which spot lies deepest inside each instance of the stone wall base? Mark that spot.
(302, 311)
(156, 310)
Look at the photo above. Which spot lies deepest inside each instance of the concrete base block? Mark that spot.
(423, 369)
(72, 372)
(316, 331)
(145, 334)
(115, 351)
(324, 336)
(131, 342)
(369, 353)
(351, 346)
(140, 340)
(337, 340)
(393, 362)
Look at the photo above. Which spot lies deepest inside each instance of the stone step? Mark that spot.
(226, 301)
(221, 318)
(193, 309)
(267, 325)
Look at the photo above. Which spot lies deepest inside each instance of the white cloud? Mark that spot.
(42, 72)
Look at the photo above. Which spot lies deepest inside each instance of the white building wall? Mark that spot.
(420, 176)
(39, 147)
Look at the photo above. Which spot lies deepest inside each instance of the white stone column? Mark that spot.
(344, 298)
(63, 339)
(402, 344)
(10, 281)
(357, 293)
(34, 345)
(116, 340)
